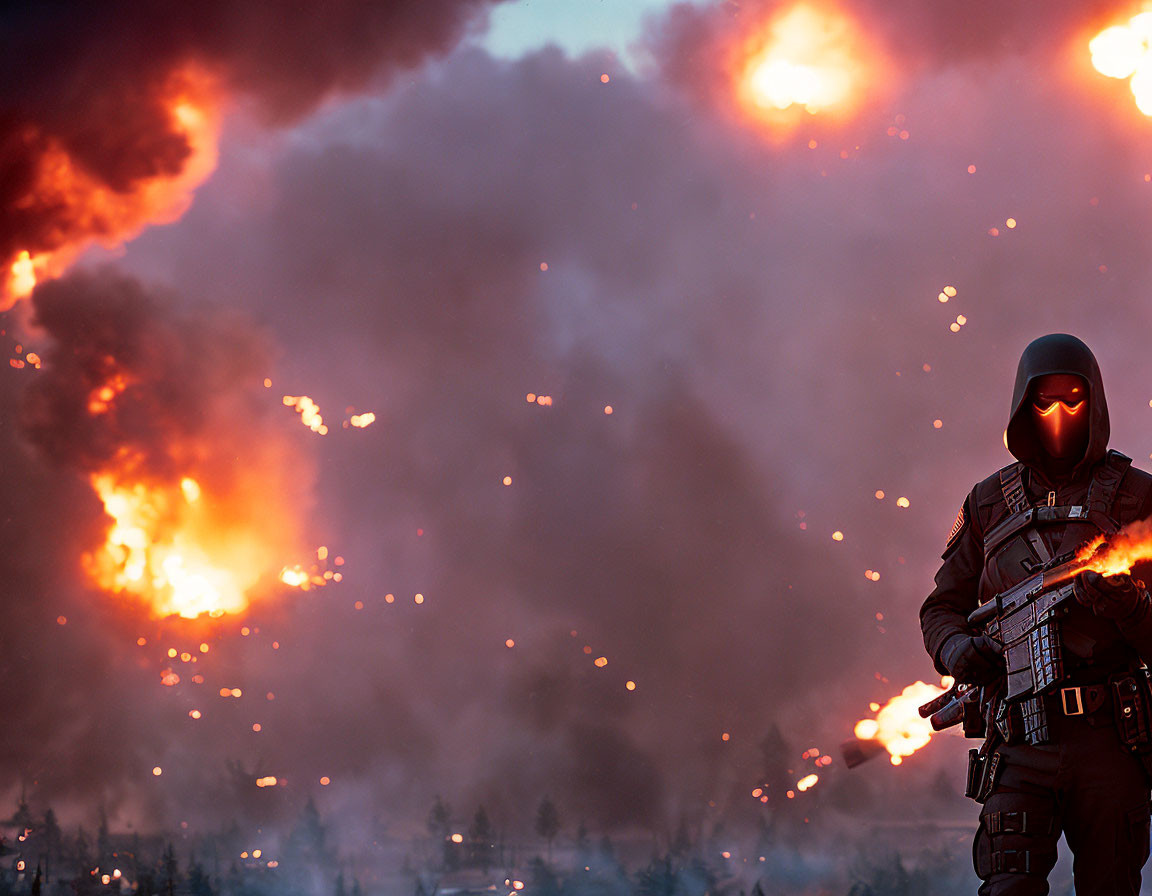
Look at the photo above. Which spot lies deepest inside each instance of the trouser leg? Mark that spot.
(1106, 817)
(1015, 845)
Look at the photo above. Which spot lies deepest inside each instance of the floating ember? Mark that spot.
(309, 412)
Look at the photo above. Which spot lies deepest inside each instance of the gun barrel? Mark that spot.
(937, 703)
(984, 613)
(952, 714)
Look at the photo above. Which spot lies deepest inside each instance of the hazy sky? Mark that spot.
(575, 25)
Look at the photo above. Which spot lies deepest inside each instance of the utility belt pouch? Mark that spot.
(982, 771)
(977, 762)
(1007, 721)
(1132, 722)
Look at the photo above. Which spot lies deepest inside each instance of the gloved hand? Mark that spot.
(972, 659)
(1117, 597)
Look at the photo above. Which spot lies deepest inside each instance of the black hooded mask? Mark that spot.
(1056, 353)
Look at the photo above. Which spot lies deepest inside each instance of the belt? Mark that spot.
(1082, 700)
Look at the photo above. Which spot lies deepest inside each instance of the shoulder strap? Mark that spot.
(1102, 490)
(1012, 487)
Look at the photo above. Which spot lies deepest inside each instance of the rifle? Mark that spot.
(1025, 620)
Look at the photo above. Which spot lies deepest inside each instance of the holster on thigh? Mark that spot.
(1018, 836)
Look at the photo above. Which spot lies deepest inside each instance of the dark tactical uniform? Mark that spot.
(1073, 759)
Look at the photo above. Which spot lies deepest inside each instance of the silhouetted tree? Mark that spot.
(198, 882)
(583, 846)
(547, 822)
(440, 827)
(53, 838)
(439, 818)
(103, 849)
(170, 871)
(340, 884)
(480, 838)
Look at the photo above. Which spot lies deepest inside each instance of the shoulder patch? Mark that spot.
(958, 526)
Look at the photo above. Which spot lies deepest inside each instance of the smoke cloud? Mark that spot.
(762, 317)
(95, 120)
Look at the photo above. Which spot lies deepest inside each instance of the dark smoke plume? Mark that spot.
(88, 87)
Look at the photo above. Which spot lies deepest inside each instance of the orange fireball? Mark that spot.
(88, 211)
(808, 59)
(1125, 51)
(898, 725)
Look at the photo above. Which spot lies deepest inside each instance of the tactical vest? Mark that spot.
(1016, 547)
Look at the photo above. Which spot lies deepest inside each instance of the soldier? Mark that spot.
(1067, 760)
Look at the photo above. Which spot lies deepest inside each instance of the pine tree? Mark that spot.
(583, 846)
(170, 871)
(547, 823)
(103, 847)
(440, 827)
(480, 840)
(198, 882)
(53, 838)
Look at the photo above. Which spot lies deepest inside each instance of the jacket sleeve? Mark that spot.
(945, 611)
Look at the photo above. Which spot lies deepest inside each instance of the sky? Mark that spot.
(519, 27)
(638, 351)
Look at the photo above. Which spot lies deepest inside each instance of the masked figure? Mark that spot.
(1073, 758)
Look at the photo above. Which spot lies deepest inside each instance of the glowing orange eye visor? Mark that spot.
(1046, 410)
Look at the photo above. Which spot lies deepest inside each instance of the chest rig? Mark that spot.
(1027, 538)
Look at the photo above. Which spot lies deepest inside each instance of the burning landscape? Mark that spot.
(428, 469)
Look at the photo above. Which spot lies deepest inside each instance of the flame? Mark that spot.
(1119, 553)
(1125, 51)
(153, 551)
(91, 211)
(182, 552)
(806, 58)
(898, 726)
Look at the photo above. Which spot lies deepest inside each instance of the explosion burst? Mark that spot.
(806, 58)
(1125, 51)
(73, 207)
(165, 418)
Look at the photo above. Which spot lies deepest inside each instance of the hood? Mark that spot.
(1057, 353)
